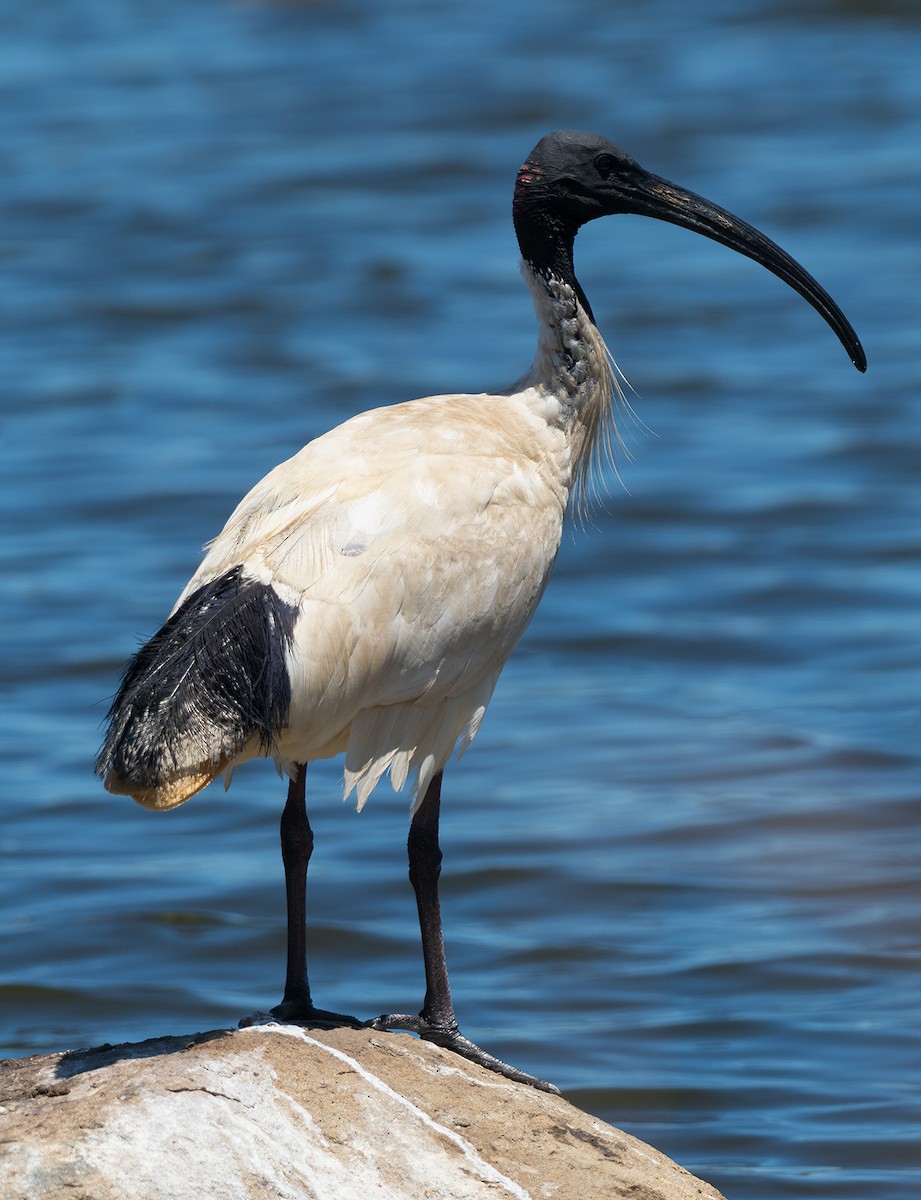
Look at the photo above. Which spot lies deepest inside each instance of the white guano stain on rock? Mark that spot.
(488, 1173)
(277, 1113)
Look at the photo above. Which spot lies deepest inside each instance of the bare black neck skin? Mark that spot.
(546, 238)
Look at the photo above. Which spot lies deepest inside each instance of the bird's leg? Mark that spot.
(437, 1022)
(296, 849)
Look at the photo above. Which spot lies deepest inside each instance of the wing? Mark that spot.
(415, 543)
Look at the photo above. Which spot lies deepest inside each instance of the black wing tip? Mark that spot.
(213, 677)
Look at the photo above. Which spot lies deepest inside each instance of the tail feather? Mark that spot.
(411, 741)
(212, 679)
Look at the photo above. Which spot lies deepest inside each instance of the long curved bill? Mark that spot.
(654, 197)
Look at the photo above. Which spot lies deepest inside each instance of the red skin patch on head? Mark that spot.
(529, 172)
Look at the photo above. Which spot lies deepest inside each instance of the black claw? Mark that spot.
(451, 1038)
(307, 1014)
(294, 1012)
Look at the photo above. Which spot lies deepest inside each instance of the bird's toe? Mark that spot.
(291, 1012)
(450, 1038)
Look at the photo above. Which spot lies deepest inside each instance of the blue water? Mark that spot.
(682, 859)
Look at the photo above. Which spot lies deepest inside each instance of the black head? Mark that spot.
(571, 178)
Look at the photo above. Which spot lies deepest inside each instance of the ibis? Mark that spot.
(364, 597)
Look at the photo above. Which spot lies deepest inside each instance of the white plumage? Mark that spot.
(415, 542)
(366, 594)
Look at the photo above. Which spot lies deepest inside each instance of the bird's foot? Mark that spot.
(300, 1012)
(451, 1038)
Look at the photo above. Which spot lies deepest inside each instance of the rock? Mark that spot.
(281, 1112)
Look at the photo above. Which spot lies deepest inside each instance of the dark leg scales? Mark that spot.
(297, 1008)
(437, 1022)
(453, 1039)
(300, 1014)
(300, 1011)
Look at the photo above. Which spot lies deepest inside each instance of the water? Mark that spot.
(681, 860)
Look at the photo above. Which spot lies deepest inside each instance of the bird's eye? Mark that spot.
(605, 165)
